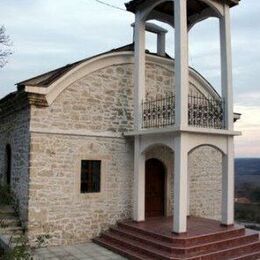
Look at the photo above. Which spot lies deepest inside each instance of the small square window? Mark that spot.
(90, 176)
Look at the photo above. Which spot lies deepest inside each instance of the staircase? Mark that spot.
(133, 242)
(10, 227)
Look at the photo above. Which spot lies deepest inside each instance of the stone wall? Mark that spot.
(103, 100)
(57, 207)
(205, 174)
(14, 130)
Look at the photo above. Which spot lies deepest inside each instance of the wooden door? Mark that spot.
(154, 188)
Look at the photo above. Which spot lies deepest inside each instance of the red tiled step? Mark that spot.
(191, 251)
(133, 251)
(126, 252)
(138, 247)
(147, 240)
(233, 252)
(187, 241)
(249, 237)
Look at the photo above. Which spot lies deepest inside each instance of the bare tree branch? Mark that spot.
(5, 44)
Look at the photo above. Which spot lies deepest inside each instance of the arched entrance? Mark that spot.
(8, 164)
(154, 188)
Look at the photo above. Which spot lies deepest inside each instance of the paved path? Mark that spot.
(89, 251)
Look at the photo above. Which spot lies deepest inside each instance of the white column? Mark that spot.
(139, 73)
(228, 184)
(139, 182)
(226, 67)
(161, 37)
(181, 62)
(181, 103)
(180, 185)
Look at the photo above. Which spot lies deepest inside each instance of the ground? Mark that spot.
(87, 251)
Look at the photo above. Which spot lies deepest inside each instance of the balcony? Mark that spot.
(202, 112)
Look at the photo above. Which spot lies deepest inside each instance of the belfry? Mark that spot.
(184, 130)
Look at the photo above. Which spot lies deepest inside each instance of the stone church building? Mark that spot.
(69, 123)
(103, 139)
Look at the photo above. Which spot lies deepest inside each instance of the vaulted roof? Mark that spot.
(44, 80)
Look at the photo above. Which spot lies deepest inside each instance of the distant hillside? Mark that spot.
(247, 166)
(247, 171)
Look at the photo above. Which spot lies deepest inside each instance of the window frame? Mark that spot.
(89, 170)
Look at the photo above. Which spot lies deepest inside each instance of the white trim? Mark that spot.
(36, 90)
(177, 130)
(86, 133)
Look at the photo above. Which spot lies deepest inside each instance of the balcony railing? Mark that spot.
(202, 112)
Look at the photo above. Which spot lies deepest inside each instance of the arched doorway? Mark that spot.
(8, 164)
(154, 188)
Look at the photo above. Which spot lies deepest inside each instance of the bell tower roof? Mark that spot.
(198, 6)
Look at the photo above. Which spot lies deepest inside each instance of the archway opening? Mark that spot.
(154, 188)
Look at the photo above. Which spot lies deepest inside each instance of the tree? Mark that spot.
(5, 45)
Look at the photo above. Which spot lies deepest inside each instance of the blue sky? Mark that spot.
(50, 33)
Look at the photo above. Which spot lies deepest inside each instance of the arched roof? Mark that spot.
(52, 83)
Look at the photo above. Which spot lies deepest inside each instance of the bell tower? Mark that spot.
(183, 134)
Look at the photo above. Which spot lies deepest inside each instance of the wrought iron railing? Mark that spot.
(206, 112)
(202, 112)
(159, 113)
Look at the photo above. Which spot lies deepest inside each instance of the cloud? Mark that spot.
(48, 34)
(248, 144)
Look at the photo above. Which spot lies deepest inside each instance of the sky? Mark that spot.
(47, 34)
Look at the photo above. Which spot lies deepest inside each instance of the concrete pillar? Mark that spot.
(161, 38)
(228, 184)
(181, 63)
(226, 67)
(180, 185)
(139, 72)
(139, 182)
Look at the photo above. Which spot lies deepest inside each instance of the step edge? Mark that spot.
(247, 255)
(222, 241)
(231, 248)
